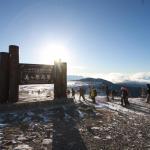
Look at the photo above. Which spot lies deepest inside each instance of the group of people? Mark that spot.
(93, 93)
(124, 95)
(82, 92)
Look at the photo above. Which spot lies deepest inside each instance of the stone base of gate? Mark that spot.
(52, 104)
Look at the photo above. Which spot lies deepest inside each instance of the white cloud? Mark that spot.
(116, 77)
(120, 77)
(141, 77)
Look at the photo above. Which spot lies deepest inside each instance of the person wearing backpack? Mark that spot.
(124, 96)
(81, 93)
(93, 94)
(148, 93)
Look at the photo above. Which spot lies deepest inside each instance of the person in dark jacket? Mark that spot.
(73, 93)
(107, 92)
(81, 93)
(148, 93)
(124, 96)
(113, 93)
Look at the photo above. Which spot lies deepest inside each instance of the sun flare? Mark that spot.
(54, 52)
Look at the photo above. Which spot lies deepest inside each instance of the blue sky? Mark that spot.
(99, 38)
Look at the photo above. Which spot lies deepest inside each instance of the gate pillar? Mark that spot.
(13, 73)
(4, 77)
(60, 80)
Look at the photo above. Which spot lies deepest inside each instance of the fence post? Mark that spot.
(4, 77)
(13, 73)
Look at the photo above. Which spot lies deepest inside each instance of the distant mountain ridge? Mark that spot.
(98, 80)
(133, 84)
(127, 83)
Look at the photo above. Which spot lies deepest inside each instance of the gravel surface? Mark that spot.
(78, 126)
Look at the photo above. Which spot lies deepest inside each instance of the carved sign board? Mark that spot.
(36, 74)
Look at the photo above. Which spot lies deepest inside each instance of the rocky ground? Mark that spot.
(76, 126)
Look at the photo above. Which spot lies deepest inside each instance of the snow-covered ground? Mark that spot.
(41, 92)
(32, 129)
(45, 92)
(40, 123)
(137, 105)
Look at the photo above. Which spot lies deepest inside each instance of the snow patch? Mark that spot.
(30, 113)
(95, 128)
(97, 137)
(22, 138)
(23, 147)
(2, 125)
(108, 137)
(47, 141)
(27, 119)
(81, 114)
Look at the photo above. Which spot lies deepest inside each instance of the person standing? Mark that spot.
(90, 91)
(148, 93)
(68, 93)
(73, 93)
(93, 94)
(124, 96)
(113, 93)
(107, 92)
(38, 92)
(81, 93)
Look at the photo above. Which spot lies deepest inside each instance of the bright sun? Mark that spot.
(54, 52)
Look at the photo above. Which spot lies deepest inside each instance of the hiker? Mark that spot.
(73, 93)
(148, 93)
(113, 93)
(81, 93)
(124, 96)
(90, 91)
(68, 92)
(93, 94)
(38, 92)
(107, 92)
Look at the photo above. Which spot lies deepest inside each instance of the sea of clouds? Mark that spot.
(120, 77)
